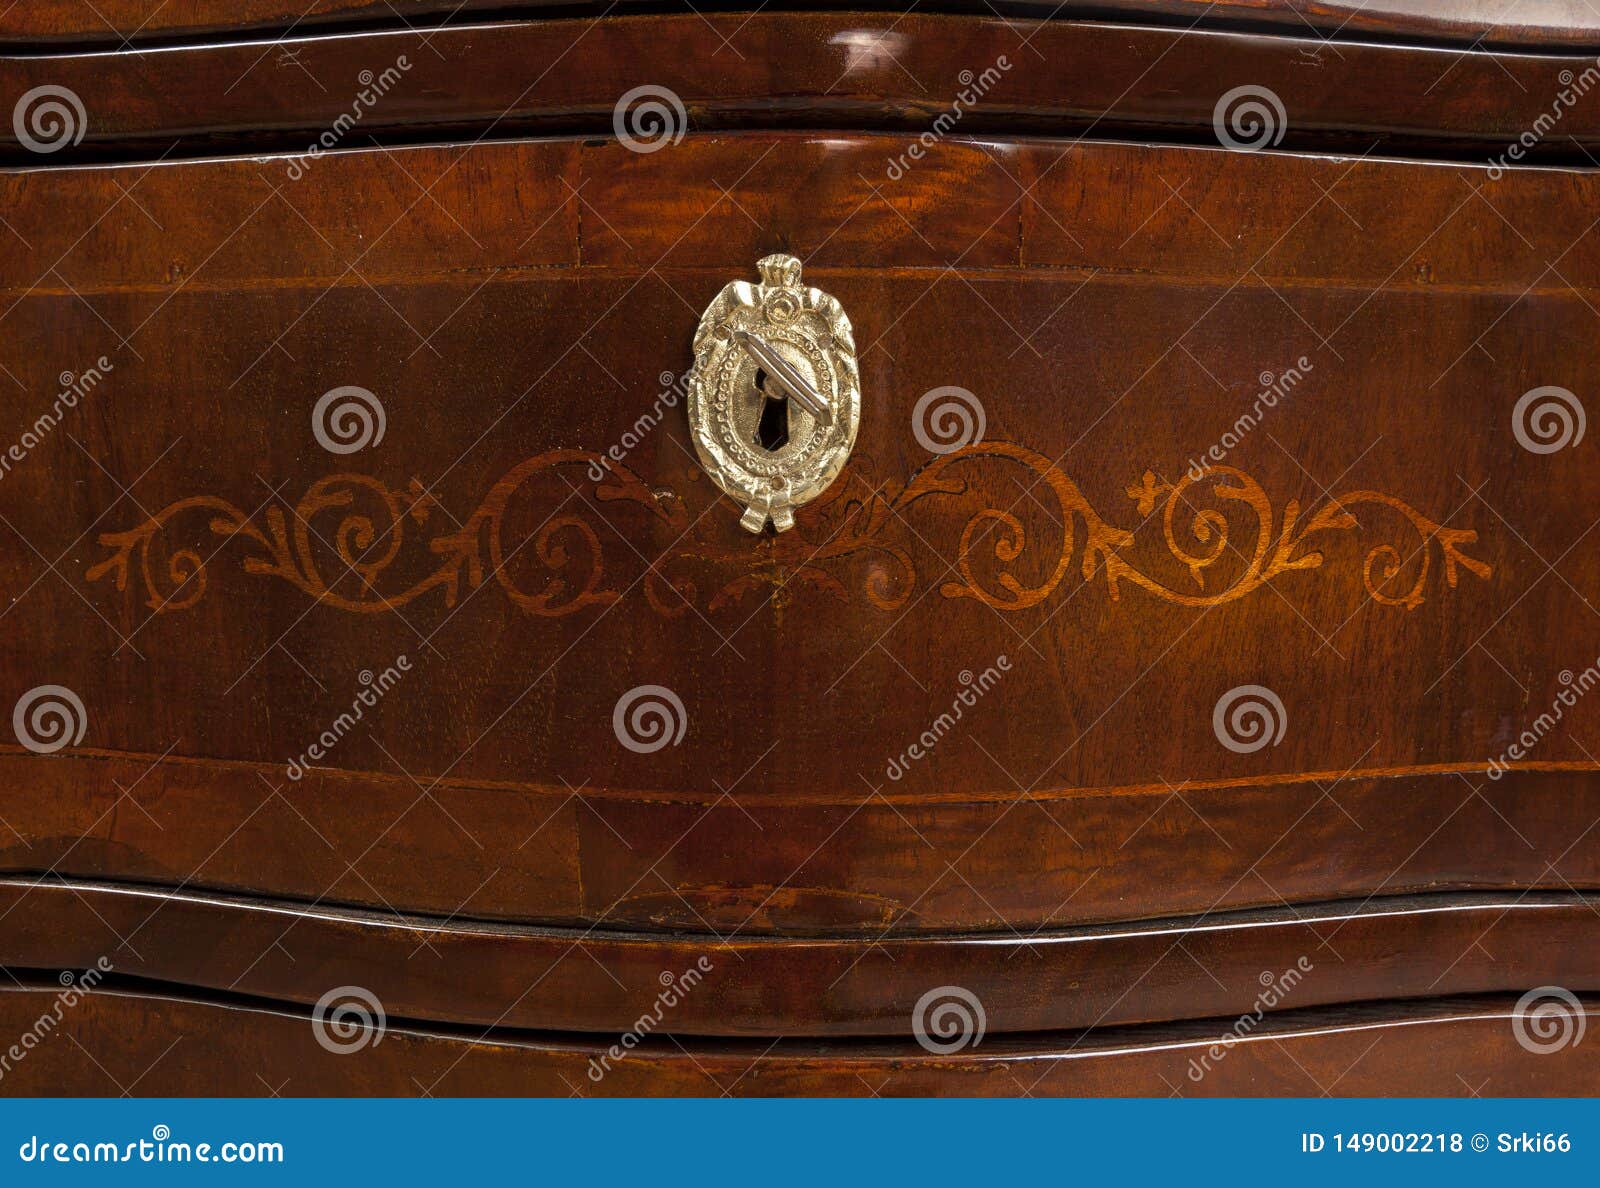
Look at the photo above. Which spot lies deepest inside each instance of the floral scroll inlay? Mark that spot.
(344, 540)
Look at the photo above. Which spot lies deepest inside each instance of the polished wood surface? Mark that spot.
(1465, 22)
(850, 70)
(354, 719)
(111, 1042)
(507, 976)
(802, 866)
(1098, 320)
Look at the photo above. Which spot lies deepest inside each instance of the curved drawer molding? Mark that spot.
(242, 1049)
(903, 861)
(1465, 22)
(1112, 80)
(1226, 965)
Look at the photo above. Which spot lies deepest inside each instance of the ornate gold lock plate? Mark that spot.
(774, 397)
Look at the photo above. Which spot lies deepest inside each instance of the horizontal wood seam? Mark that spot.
(1157, 788)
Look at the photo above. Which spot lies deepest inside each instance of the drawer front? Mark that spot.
(372, 548)
(247, 1051)
(852, 71)
(1464, 22)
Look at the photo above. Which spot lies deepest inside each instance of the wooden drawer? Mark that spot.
(356, 528)
(251, 1049)
(1464, 22)
(510, 354)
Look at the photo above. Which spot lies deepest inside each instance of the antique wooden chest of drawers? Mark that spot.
(850, 552)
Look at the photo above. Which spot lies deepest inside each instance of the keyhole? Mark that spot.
(772, 431)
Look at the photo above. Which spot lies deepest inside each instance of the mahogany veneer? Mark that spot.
(814, 70)
(1083, 853)
(1465, 22)
(243, 1049)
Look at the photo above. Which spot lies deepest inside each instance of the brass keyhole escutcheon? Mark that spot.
(774, 397)
(772, 431)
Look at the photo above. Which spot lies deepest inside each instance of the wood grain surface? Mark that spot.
(503, 976)
(1462, 22)
(514, 308)
(845, 70)
(1210, 593)
(155, 1044)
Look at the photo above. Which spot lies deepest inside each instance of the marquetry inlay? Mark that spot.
(861, 535)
